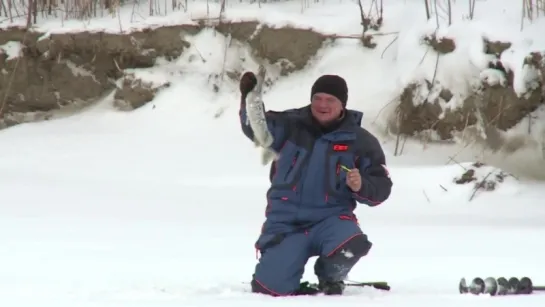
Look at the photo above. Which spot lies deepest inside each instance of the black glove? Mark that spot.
(247, 83)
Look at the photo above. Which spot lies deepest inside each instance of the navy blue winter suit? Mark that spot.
(309, 206)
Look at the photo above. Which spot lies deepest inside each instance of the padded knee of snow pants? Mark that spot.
(337, 265)
(281, 266)
(333, 233)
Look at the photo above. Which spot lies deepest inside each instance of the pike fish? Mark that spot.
(255, 113)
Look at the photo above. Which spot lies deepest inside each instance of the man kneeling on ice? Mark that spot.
(327, 163)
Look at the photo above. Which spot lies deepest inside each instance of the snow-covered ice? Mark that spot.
(161, 206)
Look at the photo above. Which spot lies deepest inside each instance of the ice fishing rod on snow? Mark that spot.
(379, 285)
(499, 286)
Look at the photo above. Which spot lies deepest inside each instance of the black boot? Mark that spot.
(331, 287)
(306, 288)
(333, 269)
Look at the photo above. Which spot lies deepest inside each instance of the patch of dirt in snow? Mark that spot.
(291, 47)
(483, 178)
(69, 71)
(136, 90)
(43, 73)
(441, 45)
(434, 112)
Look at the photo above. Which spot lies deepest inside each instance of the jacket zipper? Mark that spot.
(292, 165)
(338, 174)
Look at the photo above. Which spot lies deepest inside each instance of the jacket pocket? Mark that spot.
(289, 165)
(338, 166)
(266, 241)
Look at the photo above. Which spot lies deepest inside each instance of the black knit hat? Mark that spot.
(332, 85)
